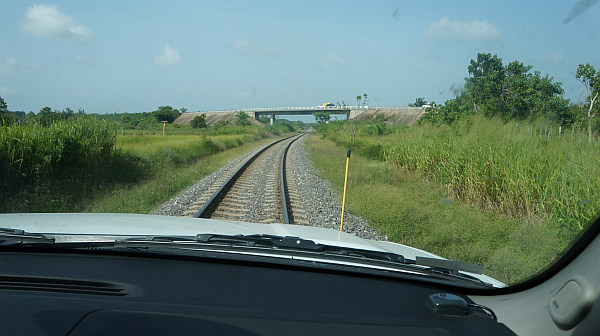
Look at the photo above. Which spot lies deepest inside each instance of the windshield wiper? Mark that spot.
(287, 246)
(273, 242)
(447, 269)
(9, 236)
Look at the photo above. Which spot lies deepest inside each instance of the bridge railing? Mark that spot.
(311, 108)
(303, 108)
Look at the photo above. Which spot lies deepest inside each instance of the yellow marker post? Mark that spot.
(164, 126)
(345, 185)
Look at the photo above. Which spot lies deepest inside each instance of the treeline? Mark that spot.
(47, 116)
(514, 92)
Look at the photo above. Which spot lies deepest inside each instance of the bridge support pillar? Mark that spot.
(272, 119)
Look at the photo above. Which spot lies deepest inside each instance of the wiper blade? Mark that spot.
(449, 265)
(10, 236)
(261, 240)
(295, 246)
(273, 242)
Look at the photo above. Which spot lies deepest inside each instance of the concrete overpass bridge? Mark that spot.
(351, 112)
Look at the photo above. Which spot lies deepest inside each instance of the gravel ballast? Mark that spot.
(320, 201)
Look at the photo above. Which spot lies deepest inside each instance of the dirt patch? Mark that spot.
(401, 116)
(212, 118)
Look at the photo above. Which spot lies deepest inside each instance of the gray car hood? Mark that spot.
(151, 225)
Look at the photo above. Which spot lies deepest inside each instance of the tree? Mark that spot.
(485, 84)
(242, 119)
(166, 113)
(5, 116)
(322, 116)
(588, 76)
(419, 102)
(3, 106)
(46, 116)
(199, 121)
(510, 92)
(361, 100)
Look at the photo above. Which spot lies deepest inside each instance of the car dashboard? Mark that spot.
(100, 292)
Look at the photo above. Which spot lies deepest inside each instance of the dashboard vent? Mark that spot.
(61, 285)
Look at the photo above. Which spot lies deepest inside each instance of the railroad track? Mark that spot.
(259, 189)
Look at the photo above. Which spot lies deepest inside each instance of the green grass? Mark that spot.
(32, 151)
(179, 148)
(413, 211)
(512, 167)
(140, 173)
(146, 196)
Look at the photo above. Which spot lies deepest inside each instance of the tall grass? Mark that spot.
(416, 212)
(507, 166)
(73, 165)
(33, 151)
(178, 149)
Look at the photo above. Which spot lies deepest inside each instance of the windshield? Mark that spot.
(459, 130)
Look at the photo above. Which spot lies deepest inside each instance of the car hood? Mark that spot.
(151, 225)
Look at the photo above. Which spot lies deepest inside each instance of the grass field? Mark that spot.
(413, 211)
(165, 182)
(520, 169)
(82, 165)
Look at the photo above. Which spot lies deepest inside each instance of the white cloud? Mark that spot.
(5, 91)
(168, 57)
(332, 60)
(251, 46)
(247, 94)
(557, 58)
(242, 45)
(12, 66)
(47, 21)
(474, 31)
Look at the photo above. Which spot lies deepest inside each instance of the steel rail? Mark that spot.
(284, 195)
(205, 211)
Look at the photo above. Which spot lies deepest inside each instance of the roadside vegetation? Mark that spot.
(417, 212)
(61, 161)
(505, 175)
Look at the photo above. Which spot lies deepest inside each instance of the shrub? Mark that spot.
(199, 121)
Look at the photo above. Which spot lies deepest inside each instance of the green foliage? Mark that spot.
(518, 168)
(163, 182)
(413, 211)
(509, 91)
(591, 79)
(32, 151)
(6, 118)
(199, 121)
(360, 100)
(68, 177)
(3, 106)
(47, 116)
(418, 102)
(220, 124)
(242, 119)
(322, 116)
(166, 113)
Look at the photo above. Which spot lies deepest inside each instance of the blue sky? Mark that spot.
(132, 56)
